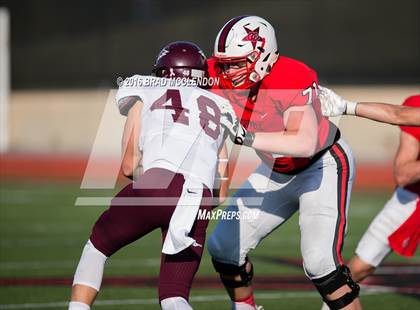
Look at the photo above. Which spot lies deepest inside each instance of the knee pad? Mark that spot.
(317, 263)
(233, 270)
(333, 281)
(90, 270)
(175, 303)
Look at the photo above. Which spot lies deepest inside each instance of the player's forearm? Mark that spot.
(224, 184)
(407, 173)
(295, 145)
(222, 192)
(130, 142)
(131, 159)
(387, 113)
(133, 176)
(131, 166)
(222, 181)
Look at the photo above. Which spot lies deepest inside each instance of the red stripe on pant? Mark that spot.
(342, 188)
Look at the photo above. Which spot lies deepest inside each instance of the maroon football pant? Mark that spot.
(122, 224)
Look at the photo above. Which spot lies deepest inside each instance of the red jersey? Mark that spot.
(290, 83)
(413, 101)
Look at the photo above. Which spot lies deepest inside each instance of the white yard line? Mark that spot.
(149, 301)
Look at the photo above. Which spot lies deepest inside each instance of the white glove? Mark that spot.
(237, 133)
(333, 105)
(226, 108)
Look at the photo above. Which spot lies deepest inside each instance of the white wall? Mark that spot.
(67, 121)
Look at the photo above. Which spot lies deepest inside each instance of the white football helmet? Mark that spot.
(245, 51)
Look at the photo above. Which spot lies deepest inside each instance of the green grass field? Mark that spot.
(42, 235)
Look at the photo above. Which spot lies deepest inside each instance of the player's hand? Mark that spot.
(227, 109)
(229, 120)
(234, 128)
(237, 133)
(334, 105)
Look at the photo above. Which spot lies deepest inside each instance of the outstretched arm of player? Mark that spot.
(222, 181)
(299, 139)
(334, 105)
(130, 142)
(406, 164)
(388, 113)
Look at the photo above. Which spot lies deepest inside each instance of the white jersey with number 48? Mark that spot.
(180, 126)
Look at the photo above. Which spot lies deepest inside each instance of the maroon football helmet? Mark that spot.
(181, 59)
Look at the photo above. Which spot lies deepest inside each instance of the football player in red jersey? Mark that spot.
(306, 166)
(397, 226)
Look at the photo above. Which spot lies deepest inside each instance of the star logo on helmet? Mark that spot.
(253, 36)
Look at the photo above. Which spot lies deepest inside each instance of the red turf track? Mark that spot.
(59, 167)
(409, 284)
(406, 283)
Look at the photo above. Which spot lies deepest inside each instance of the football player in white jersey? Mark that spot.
(174, 131)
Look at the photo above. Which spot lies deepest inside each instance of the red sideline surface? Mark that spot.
(406, 283)
(62, 167)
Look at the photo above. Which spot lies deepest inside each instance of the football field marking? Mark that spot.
(128, 263)
(151, 301)
(66, 264)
